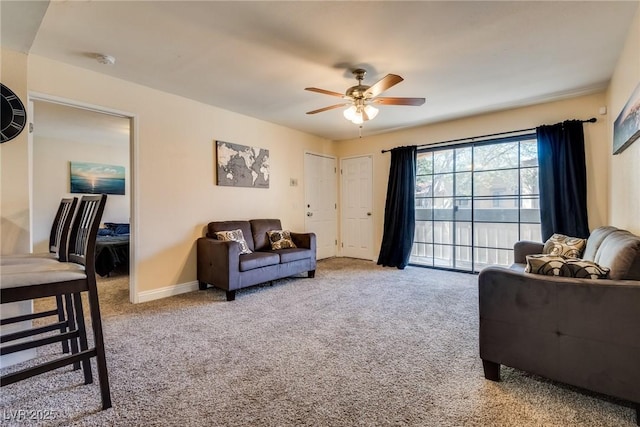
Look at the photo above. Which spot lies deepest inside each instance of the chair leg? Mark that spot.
(82, 332)
(231, 295)
(101, 360)
(71, 323)
(61, 318)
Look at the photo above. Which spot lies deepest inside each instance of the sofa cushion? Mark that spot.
(258, 259)
(293, 254)
(259, 228)
(595, 240)
(555, 265)
(559, 244)
(234, 236)
(280, 239)
(245, 226)
(620, 251)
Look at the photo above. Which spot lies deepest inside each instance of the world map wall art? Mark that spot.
(242, 166)
(626, 128)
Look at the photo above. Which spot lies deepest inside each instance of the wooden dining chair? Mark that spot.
(58, 247)
(72, 277)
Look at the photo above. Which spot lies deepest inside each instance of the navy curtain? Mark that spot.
(399, 211)
(563, 180)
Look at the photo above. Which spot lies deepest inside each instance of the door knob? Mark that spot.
(368, 213)
(309, 213)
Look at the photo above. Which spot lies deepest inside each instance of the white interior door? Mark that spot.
(320, 182)
(357, 207)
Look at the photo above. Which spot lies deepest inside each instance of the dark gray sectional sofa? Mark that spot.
(582, 332)
(221, 265)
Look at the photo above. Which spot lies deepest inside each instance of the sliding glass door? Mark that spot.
(474, 201)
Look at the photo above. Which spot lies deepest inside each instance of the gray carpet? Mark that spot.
(358, 345)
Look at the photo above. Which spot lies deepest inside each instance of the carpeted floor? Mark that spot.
(358, 345)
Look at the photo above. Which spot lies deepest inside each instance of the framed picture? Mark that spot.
(96, 178)
(626, 128)
(242, 166)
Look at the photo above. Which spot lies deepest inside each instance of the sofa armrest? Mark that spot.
(218, 262)
(526, 247)
(304, 240)
(596, 309)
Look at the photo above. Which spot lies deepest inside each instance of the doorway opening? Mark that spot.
(65, 132)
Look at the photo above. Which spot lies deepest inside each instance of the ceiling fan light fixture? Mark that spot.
(357, 119)
(371, 111)
(350, 113)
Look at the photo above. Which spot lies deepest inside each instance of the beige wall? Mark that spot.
(596, 141)
(624, 205)
(14, 159)
(51, 159)
(173, 167)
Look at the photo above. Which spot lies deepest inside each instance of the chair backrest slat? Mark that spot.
(84, 230)
(59, 237)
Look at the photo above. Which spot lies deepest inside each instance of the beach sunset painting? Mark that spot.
(96, 178)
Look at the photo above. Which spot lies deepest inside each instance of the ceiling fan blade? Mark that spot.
(320, 110)
(398, 101)
(326, 92)
(383, 84)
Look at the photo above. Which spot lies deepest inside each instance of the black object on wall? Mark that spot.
(399, 212)
(562, 179)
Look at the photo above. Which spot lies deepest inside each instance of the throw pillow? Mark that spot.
(280, 239)
(235, 236)
(559, 244)
(556, 265)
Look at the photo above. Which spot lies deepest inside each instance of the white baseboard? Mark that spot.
(167, 291)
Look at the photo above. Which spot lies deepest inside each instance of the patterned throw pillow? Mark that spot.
(559, 244)
(555, 265)
(235, 236)
(280, 239)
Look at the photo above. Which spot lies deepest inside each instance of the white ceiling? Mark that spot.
(256, 58)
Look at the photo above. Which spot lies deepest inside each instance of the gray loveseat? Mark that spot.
(583, 332)
(221, 265)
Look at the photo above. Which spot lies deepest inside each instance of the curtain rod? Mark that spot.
(591, 120)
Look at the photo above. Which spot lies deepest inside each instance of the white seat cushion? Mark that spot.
(12, 276)
(28, 258)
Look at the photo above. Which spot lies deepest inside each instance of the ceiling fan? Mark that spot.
(359, 98)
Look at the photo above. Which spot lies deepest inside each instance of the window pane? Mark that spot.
(424, 164)
(463, 159)
(443, 161)
(495, 156)
(485, 257)
(442, 256)
(529, 181)
(501, 210)
(463, 184)
(463, 233)
(443, 185)
(495, 183)
(422, 254)
(530, 209)
(463, 258)
(424, 185)
(443, 232)
(423, 232)
(496, 235)
(463, 210)
(531, 232)
(529, 153)
(444, 210)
